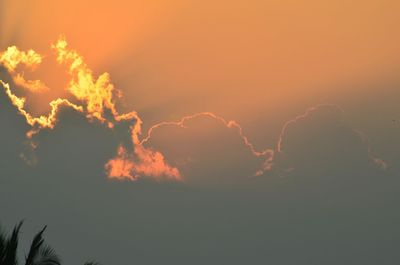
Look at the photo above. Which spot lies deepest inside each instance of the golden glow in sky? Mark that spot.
(96, 96)
(172, 59)
(223, 56)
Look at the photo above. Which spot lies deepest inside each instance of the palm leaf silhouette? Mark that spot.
(46, 256)
(10, 255)
(3, 243)
(40, 254)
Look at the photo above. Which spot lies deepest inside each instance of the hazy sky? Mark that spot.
(293, 159)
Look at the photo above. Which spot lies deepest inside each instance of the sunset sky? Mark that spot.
(203, 132)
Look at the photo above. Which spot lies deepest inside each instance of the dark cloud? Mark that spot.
(207, 152)
(12, 136)
(264, 220)
(322, 143)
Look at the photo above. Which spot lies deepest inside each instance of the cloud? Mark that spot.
(209, 150)
(69, 190)
(321, 142)
(95, 98)
(201, 149)
(12, 58)
(12, 136)
(149, 163)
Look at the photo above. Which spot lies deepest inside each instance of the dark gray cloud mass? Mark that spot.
(321, 142)
(325, 202)
(207, 152)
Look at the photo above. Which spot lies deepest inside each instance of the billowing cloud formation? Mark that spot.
(96, 97)
(271, 214)
(209, 149)
(150, 163)
(40, 122)
(317, 142)
(321, 142)
(12, 58)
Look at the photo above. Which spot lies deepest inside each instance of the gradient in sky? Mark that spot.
(219, 132)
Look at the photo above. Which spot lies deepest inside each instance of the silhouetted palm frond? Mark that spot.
(46, 256)
(3, 243)
(10, 257)
(34, 250)
(40, 254)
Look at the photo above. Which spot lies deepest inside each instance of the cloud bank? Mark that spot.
(95, 97)
(322, 142)
(201, 149)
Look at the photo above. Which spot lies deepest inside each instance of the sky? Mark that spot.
(193, 132)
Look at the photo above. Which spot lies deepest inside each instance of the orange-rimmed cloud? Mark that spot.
(321, 142)
(96, 97)
(12, 58)
(266, 154)
(43, 121)
(319, 135)
(97, 94)
(149, 163)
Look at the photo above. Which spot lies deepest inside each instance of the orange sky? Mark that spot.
(172, 58)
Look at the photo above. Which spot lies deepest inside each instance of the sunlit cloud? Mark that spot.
(12, 58)
(96, 97)
(266, 154)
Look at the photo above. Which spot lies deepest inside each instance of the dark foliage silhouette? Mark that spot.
(39, 252)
